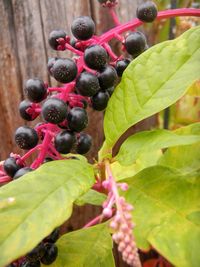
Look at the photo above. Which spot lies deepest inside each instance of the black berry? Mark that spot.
(30, 264)
(110, 90)
(53, 237)
(84, 143)
(77, 119)
(26, 137)
(10, 166)
(64, 142)
(121, 65)
(64, 70)
(36, 253)
(107, 77)
(87, 84)
(23, 106)
(95, 57)
(50, 255)
(100, 100)
(54, 110)
(135, 43)
(21, 172)
(147, 11)
(83, 28)
(50, 64)
(35, 90)
(53, 36)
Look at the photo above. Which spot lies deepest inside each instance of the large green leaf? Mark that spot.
(147, 141)
(42, 200)
(184, 158)
(167, 213)
(91, 197)
(152, 82)
(90, 247)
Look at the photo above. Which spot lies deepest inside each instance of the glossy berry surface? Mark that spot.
(35, 90)
(87, 84)
(54, 110)
(21, 172)
(100, 100)
(135, 43)
(50, 255)
(53, 36)
(77, 119)
(50, 64)
(10, 166)
(30, 264)
(23, 106)
(84, 143)
(147, 11)
(110, 90)
(83, 28)
(64, 70)
(36, 253)
(107, 77)
(26, 137)
(95, 57)
(53, 237)
(121, 65)
(64, 142)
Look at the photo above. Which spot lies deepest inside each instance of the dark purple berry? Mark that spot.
(107, 77)
(100, 100)
(36, 253)
(147, 11)
(30, 264)
(35, 90)
(54, 110)
(83, 28)
(23, 106)
(21, 172)
(121, 65)
(50, 64)
(64, 142)
(110, 90)
(87, 84)
(77, 119)
(26, 137)
(84, 143)
(11, 167)
(135, 43)
(95, 57)
(53, 237)
(64, 70)
(50, 255)
(53, 36)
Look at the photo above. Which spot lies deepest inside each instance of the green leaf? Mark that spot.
(90, 247)
(147, 141)
(91, 197)
(152, 82)
(166, 212)
(42, 200)
(184, 158)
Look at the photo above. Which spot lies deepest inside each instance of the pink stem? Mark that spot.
(27, 155)
(96, 220)
(110, 52)
(114, 16)
(74, 50)
(5, 179)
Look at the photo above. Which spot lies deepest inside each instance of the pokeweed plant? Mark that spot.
(156, 172)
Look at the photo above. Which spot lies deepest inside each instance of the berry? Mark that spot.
(135, 43)
(121, 65)
(64, 142)
(36, 253)
(21, 172)
(54, 110)
(53, 237)
(83, 28)
(50, 255)
(77, 119)
(87, 84)
(10, 166)
(95, 57)
(53, 36)
(64, 70)
(107, 77)
(84, 143)
(35, 90)
(110, 90)
(100, 100)
(30, 264)
(147, 11)
(50, 64)
(26, 137)
(23, 106)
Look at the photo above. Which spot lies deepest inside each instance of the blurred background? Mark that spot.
(24, 51)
